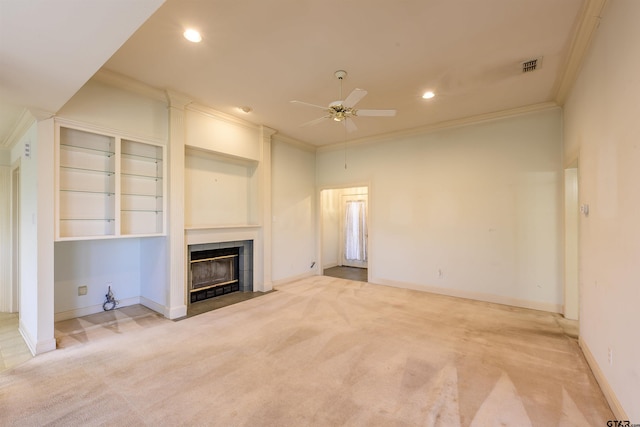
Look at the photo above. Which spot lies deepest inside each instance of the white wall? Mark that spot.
(36, 236)
(217, 190)
(481, 204)
(5, 236)
(96, 264)
(330, 205)
(103, 105)
(293, 211)
(209, 130)
(602, 128)
(153, 271)
(28, 231)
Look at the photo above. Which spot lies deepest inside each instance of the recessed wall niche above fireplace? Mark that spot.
(217, 269)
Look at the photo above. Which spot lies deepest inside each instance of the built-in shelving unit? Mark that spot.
(141, 188)
(108, 186)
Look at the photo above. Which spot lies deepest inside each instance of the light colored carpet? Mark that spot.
(320, 351)
(13, 349)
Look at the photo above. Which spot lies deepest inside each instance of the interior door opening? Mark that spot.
(571, 236)
(345, 233)
(354, 234)
(15, 239)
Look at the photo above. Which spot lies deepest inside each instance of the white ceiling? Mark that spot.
(49, 49)
(263, 54)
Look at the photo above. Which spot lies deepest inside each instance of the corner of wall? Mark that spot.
(36, 347)
(607, 391)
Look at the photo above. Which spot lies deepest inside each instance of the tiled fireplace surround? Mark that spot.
(249, 237)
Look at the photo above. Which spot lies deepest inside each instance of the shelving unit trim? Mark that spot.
(122, 195)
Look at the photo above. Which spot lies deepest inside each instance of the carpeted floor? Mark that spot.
(13, 349)
(320, 351)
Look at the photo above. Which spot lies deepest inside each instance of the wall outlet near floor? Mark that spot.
(610, 356)
(82, 290)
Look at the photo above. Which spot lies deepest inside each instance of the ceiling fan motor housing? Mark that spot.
(340, 74)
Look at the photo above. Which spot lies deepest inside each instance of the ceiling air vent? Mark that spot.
(531, 65)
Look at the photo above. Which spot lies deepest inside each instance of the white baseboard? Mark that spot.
(174, 312)
(478, 296)
(330, 265)
(36, 347)
(264, 287)
(158, 308)
(611, 397)
(92, 309)
(294, 278)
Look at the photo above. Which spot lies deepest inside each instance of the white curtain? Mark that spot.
(355, 231)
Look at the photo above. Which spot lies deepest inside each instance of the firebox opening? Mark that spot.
(214, 272)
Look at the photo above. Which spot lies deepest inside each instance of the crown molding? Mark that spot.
(267, 132)
(208, 111)
(450, 124)
(587, 26)
(24, 122)
(128, 84)
(296, 143)
(177, 100)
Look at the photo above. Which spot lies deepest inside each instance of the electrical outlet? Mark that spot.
(610, 357)
(82, 290)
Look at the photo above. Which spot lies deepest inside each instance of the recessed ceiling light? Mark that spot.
(245, 109)
(192, 35)
(428, 95)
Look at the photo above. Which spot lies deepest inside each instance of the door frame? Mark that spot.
(571, 306)
(320, 220)
(15, 237)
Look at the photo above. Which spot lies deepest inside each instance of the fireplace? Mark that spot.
(217, 269)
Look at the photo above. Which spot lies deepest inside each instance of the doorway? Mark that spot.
(345, 232)
(353, 230)
(15, 239)
(571, 236)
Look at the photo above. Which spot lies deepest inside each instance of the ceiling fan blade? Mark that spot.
(350, 125)
(376, 113)
(354, 97)
(309, 105)
(315, 121)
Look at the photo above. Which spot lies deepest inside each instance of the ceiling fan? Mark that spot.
(343, 110)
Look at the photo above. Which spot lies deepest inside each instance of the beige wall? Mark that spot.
(601, 131)
(293, 211)
(473, 211)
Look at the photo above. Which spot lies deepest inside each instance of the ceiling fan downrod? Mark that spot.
(340, 75)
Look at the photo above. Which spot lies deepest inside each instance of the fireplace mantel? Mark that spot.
(225, 233)
(218, 227)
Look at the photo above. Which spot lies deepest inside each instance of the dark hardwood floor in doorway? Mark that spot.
(349, 273)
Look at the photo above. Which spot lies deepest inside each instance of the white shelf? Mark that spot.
(108, 186)
(141, 188)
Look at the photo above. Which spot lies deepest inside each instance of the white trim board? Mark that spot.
(607, 391)
(478, 296)
(92, 309)
(36, 347)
